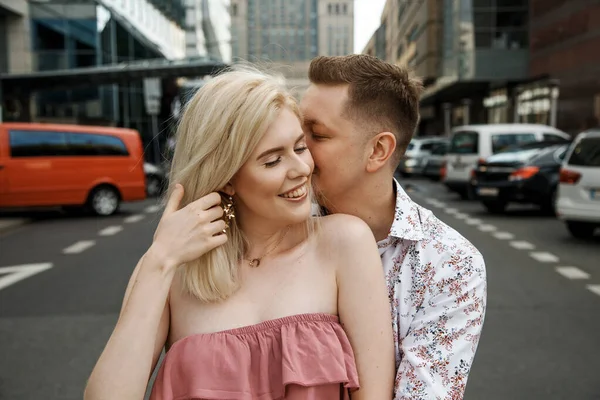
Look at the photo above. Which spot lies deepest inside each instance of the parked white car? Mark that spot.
(416, 155)
(471, 143)
(578, 202)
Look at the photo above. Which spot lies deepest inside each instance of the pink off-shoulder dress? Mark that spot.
(300, 357)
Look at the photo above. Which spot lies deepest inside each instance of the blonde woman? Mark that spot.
(251, 296)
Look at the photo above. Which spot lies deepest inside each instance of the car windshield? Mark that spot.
(549, 155)
(586, 152)
(464, 142)
(529, 146)
(501, 142)
(440, 149)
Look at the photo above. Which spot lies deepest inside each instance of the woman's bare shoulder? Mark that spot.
(343, 230)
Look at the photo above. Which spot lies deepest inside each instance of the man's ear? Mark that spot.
(382, 148)
(228, 189)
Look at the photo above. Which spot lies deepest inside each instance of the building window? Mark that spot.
(413, 34)
(337, 9)
(401, 9)
(345, 9)
(329, 8)
(502, 27)
(234, 10)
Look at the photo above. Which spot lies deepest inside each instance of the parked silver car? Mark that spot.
(156, 179)
(414, 159)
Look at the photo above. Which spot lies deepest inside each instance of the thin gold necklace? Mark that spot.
(255, 262)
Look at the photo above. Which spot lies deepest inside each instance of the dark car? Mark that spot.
(528, 174)
(435, 161)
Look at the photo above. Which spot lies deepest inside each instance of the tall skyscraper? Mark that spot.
(208, 29)
(289, 33)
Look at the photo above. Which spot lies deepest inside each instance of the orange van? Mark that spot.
(70, 166)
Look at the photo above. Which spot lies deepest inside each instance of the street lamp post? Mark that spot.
(152, 97)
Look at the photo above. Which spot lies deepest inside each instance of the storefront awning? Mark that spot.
(109, 74)
(449, 90)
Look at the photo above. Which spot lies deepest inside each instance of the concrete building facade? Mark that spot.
(469, 53)
(15, 43)
(208, 29)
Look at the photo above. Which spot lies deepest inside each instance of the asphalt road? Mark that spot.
(540, 339)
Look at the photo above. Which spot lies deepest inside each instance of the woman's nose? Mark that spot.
(303, 165)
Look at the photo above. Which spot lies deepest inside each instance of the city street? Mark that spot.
(540, 339)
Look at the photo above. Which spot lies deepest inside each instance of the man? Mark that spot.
(360, 114)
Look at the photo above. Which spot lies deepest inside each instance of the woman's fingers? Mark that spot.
(174, 200)
(206, 202)
(216, 227)
(216, 241)
(214, 213)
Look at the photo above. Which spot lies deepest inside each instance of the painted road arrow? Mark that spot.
(17, 273)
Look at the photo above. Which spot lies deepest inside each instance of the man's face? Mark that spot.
(335, 143)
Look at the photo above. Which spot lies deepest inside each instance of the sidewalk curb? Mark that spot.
(8, 224)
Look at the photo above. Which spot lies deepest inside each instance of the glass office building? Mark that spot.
(67, 35)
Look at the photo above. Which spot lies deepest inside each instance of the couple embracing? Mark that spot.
(257, 294)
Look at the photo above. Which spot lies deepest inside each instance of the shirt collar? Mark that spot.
(407, 219)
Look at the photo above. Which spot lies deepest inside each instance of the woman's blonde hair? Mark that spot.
(219, 129)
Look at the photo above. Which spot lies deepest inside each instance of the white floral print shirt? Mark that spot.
(437, 288)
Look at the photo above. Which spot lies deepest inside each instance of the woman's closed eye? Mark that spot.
(273, 163)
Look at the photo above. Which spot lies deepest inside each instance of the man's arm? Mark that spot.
(440, 345)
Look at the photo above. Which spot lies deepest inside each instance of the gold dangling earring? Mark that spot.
(228, 210)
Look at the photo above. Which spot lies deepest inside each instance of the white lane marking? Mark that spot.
(594, 289)
(79, 247)
(461, 216)
(435, 203)
(134, 218)
(544, 257)
(451, 210)
(487, 228)
(472, 221)
(503, 235)
(110, 230)
(152, 209)
(572, 273)
(521, 245)
(17, 273)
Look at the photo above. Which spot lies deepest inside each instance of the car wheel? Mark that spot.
(153, 186)
(581, 230)
(467, 193)
(104, 200)
(495, 207)
(549, 207)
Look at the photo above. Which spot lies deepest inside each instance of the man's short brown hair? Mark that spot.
(380, 94)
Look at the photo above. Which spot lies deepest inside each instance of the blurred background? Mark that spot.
(507, 152)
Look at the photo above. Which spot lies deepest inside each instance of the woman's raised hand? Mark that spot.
(186, 234)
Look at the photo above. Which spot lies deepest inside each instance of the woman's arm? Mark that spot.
(125, 366)
(364, 309)
(123, 369)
